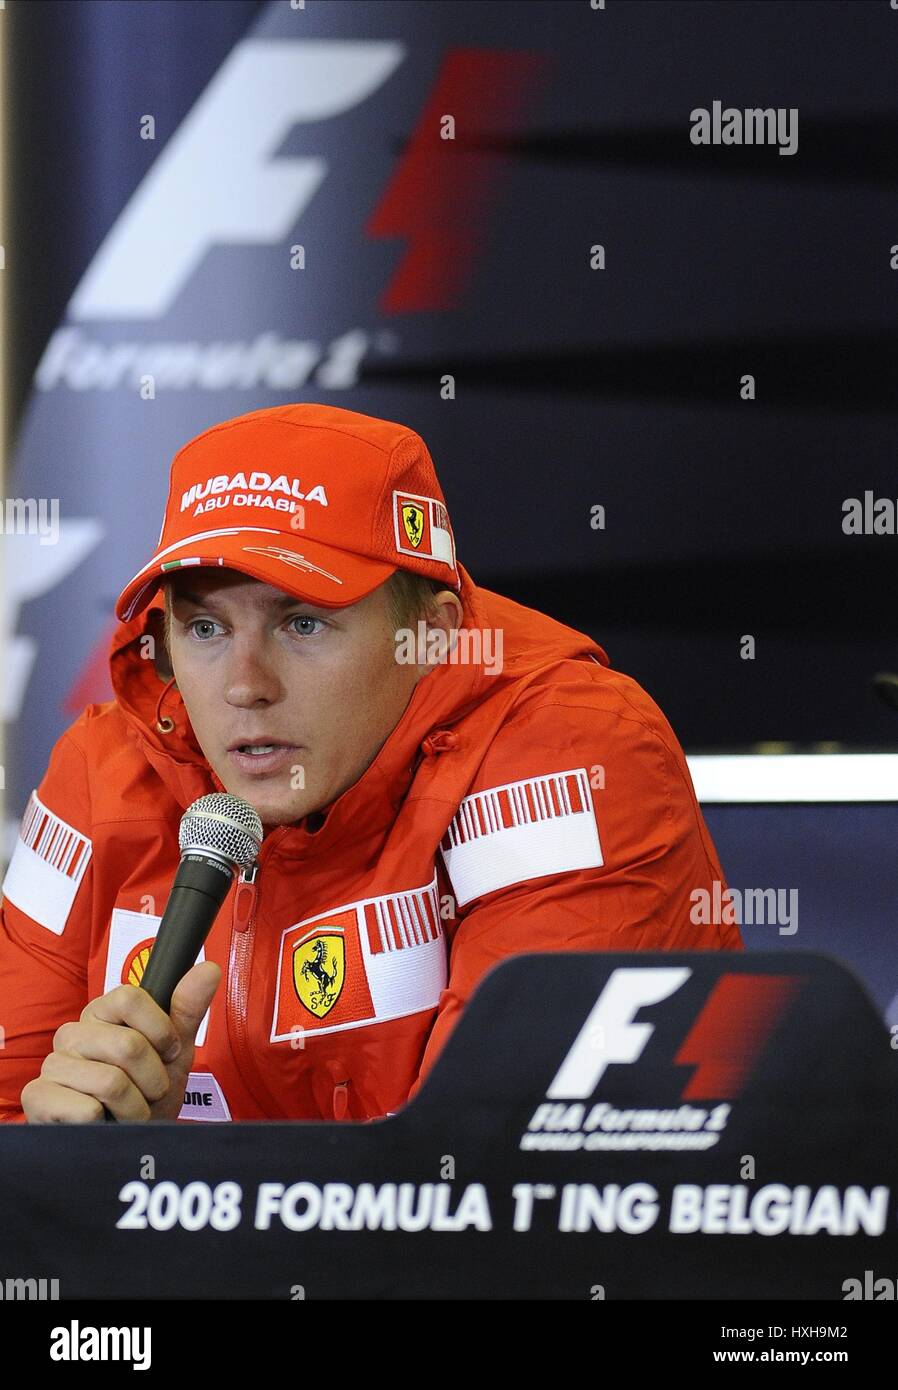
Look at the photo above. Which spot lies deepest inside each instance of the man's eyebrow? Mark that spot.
(199, 601)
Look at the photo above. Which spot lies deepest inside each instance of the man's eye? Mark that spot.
(306, 618)
(202, 628)
(197, 623)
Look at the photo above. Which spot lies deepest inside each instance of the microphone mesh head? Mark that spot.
(222, 824)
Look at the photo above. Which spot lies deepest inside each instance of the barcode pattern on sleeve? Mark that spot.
(46, 867)
(519, 831)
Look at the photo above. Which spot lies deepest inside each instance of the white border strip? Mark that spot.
(737, 779)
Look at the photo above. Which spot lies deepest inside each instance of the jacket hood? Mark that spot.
(157, 720)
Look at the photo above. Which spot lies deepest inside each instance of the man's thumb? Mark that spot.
(192, 998)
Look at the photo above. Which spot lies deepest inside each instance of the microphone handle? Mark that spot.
(200, 887)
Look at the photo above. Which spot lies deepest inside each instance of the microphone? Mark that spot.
(218, 834)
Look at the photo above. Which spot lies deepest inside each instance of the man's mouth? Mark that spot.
(255, 745)
(258, 757)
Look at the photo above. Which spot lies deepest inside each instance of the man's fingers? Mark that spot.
(119, 1046)
(121, 1055)
(192, 998)
(47, 1103)
(134, 1007)
(109, 1085)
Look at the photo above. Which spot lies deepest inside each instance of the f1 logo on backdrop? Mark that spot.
(723, 1044)
(263, 89)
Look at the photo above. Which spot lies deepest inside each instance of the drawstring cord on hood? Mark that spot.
(165, 724)
(440, 741)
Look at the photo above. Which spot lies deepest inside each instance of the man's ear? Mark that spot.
(448, 614)
(449, 611)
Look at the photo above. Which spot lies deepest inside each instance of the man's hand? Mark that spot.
(121, 1055)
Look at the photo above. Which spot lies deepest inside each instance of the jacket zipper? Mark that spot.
(243, 932)
(341, 1099)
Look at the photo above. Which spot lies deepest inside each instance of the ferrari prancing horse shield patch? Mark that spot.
(319, 969)
(364, 962)
(413, 523)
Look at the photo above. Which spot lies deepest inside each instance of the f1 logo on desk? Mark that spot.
(723, 1044)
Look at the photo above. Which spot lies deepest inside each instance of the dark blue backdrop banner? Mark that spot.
(563, 299)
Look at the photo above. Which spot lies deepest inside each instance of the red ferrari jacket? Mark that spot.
(544, 807)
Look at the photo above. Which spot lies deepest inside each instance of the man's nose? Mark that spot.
(251, 675)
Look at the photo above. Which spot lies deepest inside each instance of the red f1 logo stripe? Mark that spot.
(730, 1032)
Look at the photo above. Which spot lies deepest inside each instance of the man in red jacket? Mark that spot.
(445, 778)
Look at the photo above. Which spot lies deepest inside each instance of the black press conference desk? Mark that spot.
(702, 1125)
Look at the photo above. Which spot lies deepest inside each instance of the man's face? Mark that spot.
(254, 665)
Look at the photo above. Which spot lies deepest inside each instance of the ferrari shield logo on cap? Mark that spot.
(319, 969)
(421, 526)
(413, 522)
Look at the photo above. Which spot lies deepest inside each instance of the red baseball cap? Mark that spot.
(317, 501)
